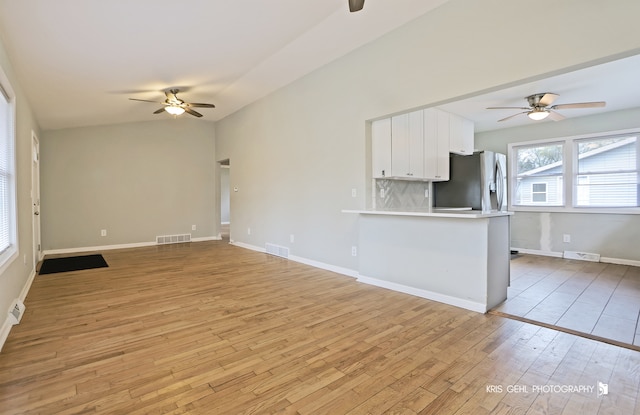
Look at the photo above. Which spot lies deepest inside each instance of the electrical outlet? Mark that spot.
(354, 251)
(103, 232)
(248, 231)
(354, 193)
(566, 238)
(426, 192)
(291, 238)
(382, 193)
(193, 227)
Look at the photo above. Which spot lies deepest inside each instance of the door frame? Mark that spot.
(35, 199)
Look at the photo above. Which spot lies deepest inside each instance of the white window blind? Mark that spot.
(8, 240)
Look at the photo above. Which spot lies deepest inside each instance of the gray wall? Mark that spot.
(135, 180)
(614, 236)
(15, 277)
(297, 153)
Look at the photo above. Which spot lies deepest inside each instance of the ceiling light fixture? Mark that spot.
(538, 115)
(174, 109)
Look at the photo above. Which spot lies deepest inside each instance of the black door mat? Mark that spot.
(74, 263)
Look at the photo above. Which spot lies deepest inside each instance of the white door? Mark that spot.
(35, 198)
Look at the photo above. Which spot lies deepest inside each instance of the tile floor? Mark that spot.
(589, 297)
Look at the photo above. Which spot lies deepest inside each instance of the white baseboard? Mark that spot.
(608, 260)
(429, 295)
(316, 264)
(6, 325)
(620, 261)
(538, 252)
(120, 246)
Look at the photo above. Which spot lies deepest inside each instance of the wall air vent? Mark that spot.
(277, 250)
(16, 311)
(583, 256)
(173, 239)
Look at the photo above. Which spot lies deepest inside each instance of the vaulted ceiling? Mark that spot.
(78, 61)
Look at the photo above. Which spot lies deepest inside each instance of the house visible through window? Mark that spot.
(539, 171)
(581, 173)
(607, 172)
(8, 245)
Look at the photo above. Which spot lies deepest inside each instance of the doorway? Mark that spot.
(225, 199)
(35, 198)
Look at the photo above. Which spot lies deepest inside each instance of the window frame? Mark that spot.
(11, 252)
(569, 175)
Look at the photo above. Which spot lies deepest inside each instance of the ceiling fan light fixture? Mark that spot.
(538, 115)
(174, 109)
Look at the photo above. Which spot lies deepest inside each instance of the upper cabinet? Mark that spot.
(416, 145)
(407, 144)
(436, 144)
(381, 148)
(460, 135)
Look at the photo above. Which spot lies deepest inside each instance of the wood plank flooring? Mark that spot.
(598, 300)
(209, 328)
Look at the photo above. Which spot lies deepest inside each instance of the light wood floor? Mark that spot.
(209, 328)
(596, 299)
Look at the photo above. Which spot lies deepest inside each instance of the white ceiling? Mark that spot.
(614, 82)
(78, 61)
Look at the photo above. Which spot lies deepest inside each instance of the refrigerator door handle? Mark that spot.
(500, 184)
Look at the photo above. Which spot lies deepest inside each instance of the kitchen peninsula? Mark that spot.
(457, 257)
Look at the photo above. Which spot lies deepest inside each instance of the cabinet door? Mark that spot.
(416, 144)
(436, 144)
(381, 148)
(400, 162)
(461, 135)
(407, 145)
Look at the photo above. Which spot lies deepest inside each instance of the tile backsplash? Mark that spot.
(400, 195)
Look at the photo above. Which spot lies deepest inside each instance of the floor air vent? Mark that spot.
(173, 239)
(277, 250)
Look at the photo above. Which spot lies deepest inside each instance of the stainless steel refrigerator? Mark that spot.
(477, 181)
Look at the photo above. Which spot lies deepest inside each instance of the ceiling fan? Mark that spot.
(175, 106)
(355, 5)
(540, 107)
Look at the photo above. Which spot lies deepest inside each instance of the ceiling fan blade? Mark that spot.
(161, 110)
(514, 115)
(355, 5)
(547, 99)
(146, 100)
(199, 105)
(597, 104)
(508, 108)
(556, 116)
(192, 112)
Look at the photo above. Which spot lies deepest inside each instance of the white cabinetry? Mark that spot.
(381, 148)
(436, 144)
(416, 145)
(407, 145)
(460, 135)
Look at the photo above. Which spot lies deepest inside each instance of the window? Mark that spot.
(539, 192)
(539, 170)
(607, 173)
(8, 245)
(598, 172)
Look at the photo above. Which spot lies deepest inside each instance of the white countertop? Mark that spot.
(463, 213)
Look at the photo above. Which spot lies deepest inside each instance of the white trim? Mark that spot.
(6, 326)
(538, 252)
(620, 261)
(316, 264)
(607, 260)
(120, 246)
(429, 295)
